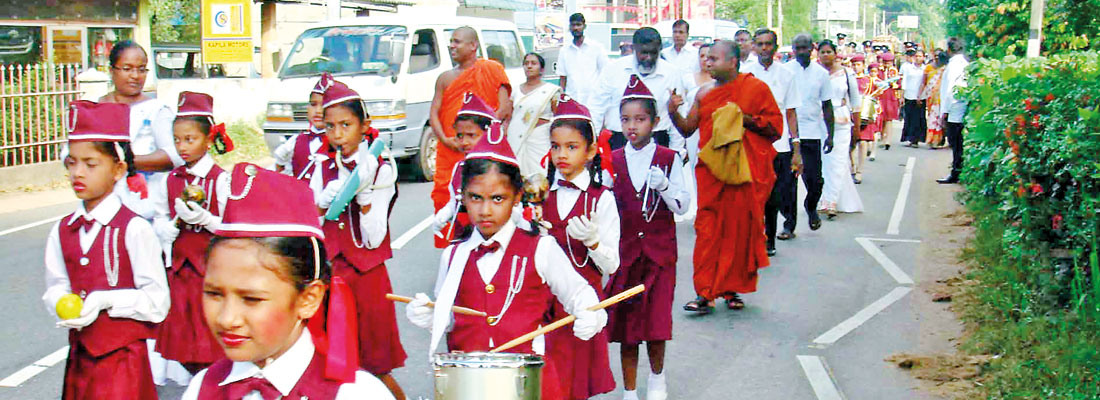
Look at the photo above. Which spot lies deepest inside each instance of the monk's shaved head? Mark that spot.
(467, 33)
(728, 48)
(723, 60)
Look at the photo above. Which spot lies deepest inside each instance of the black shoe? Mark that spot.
(771, 252)
(886, 147)
(786, 235)
(948, 180)
(815, 221)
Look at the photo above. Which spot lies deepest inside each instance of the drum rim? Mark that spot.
(487, 360)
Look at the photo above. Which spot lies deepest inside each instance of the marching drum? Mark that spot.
(487, 376)
(869, 110)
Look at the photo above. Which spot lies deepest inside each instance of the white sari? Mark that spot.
(836, 165)
(529, 140)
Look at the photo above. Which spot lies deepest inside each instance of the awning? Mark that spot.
(514, 5)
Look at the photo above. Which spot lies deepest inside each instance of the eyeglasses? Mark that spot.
(132, 70)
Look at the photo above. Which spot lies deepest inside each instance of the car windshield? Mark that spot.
(347, 50)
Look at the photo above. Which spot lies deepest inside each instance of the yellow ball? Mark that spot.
(69, 306)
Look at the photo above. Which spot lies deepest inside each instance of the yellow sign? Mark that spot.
(226, 31)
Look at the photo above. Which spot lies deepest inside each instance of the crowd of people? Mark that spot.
(184, 271)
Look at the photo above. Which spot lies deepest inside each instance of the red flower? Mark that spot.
(1008, 133)
(1049, 98)
(1020, 119)
(1056, 222)
(1028, 106)
(1020, 191)
(1015, 147)
(1036, 188)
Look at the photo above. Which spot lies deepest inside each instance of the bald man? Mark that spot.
(482, 77)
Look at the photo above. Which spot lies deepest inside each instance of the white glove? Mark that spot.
(166, 230)
(418, 312)
(364, 197)
(443, 217)
(93, 304)
(192, 213)
(329, 193)
(657, 179)
(584, 230)
(589, 323)
(368, 166)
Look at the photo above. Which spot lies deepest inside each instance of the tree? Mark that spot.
(997, 29)
(176, 21)
(796, 14)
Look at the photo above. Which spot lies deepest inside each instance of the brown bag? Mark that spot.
(724, 154)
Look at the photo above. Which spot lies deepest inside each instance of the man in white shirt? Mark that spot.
(660, 76)
(953, 109)
(815, 121)
(680, 54)
(788, 161)
(580, 62)
(912, 78)
(746, 42)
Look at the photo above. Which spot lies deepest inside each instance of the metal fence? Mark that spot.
(33, 101)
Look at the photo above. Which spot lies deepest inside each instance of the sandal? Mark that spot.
(699, 305)
(734, 302)
(786, 235)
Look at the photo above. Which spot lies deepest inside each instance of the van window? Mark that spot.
(187, 63)
(504, 47)
(346, 50)
(424, 54)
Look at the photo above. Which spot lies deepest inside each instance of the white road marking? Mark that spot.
(31, 225)
(36, 368)
(404, 239)
(820, 380)
(887, 264)
(903, 195)
(850, 324)
(875, 239)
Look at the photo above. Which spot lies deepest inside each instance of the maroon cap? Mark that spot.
(337, 93)
(98, 122)
(474, 105)
(857, 58)
(194, 104)
(571, 109)
(323, 83)
(252, 211)
(886, 56)
(636, 89)
(494, 146)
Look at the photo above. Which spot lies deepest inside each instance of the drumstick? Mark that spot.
(456, 309)
(569, 319)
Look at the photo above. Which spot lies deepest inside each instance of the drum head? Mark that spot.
(487, 360)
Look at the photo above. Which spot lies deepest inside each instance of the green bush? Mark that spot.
(1000, 28)
(1032, 178)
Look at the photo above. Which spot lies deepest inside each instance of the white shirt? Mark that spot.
(613, 80)
(814, 88)
(953, 76)
(285, 371)
(606, 216)
(751, 58)
(284, 156)
(148, 300)
(581, 66)
(686, 60)
(676, 196)
(780, 80)
(550, 262)
(912, 77)
(375, 223)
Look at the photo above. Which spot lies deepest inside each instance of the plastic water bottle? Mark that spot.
(144, 142)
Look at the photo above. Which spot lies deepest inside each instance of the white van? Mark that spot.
(704, 30)
(393, 62)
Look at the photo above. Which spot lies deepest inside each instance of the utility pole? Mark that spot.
(1035, 34)
(779, 30)
(769, 23)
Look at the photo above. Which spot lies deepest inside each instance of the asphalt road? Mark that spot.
(776, 348)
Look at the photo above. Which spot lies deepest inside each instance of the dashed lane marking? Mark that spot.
(35, 368)
(850, 324)
(404, 239)
(820, 380)
(903, 196)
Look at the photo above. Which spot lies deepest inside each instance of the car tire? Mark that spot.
(424, 161)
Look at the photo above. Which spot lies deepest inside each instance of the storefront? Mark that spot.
(65, 32)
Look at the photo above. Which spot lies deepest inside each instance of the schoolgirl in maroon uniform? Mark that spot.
(509, 273)
(110, 257)
(648, 189)
(358, 241)
(470, 125)
(286, 324)
(301, 155)
(185, 229)
(584, 219)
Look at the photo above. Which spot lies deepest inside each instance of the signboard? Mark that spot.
(908, 21)
(226, 31)
(838, 10)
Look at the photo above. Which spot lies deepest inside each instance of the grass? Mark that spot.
(1040, 350)
(248, 140)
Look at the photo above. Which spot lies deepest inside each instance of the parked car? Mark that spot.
(393, 62)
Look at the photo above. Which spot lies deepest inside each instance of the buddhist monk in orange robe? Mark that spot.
(730, 245)
(482, 77)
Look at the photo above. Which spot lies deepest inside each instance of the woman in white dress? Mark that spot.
(692, 82)
(839, 193)
(532, 107)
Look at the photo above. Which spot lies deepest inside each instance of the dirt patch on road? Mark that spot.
(936, 362)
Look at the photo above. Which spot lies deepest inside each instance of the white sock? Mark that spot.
(656, 381)
(630, 394)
